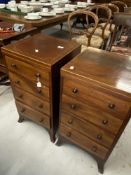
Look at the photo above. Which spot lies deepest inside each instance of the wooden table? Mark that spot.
(41, 23)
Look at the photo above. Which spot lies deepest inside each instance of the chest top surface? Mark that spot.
(41, 48)
(107, 69)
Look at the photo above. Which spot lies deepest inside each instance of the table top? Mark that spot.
(5, 37)
(109, 70)
(44, 21)
(43, 49)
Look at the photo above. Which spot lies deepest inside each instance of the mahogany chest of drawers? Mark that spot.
(95, 101)
(34, 70)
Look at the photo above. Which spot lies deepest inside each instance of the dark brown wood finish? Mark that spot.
(95, 101)
(44, 22)
(38, 60)
(7, 38)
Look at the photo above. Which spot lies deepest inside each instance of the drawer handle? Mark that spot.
(21, 96)
(73, 106)
(75, 90)
(99, 137)
(14, 65)
(39, 91)
(111, 106)
(17, 82)
(94, 148)
(37, 75)
(70, 121)
(22, 110)
(68, 134)
(41, 120)
(105, 122)
(40, 105)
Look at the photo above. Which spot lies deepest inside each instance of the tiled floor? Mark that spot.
(25, 149)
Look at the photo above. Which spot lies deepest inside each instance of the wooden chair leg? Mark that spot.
(113, 38)
(3, 79)
(61, 26)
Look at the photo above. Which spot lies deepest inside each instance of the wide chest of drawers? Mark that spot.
(34, 70)
(95, 101)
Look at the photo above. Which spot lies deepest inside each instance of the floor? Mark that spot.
(25, 149)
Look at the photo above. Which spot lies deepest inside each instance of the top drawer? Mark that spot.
(32, 72)
(91, 96)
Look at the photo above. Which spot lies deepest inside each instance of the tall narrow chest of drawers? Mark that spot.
(95, 101)
(34, 70)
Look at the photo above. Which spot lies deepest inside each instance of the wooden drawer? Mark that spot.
(32, 101)
(92, 114)
(87, 129)
(31, 72)
(83, 141)
(86, 93)
(33, 115)
(29, 86)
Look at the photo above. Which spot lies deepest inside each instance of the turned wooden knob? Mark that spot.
(21, 96)
(40, 105)
(39, 91)
(37, 75)
(73, 106)
(22, 110)
(68, 134)
(75, 90)
(111, 106)
(13, 65)
(41, 120)
(105, 122)
(94, 148)
(70, 121)
(17, 82)
(99, 137)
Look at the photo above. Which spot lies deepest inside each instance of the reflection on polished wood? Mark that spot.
(34, 70)
(95, 101)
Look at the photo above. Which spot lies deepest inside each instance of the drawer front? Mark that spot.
(33, 115)
(32, 101)
(87, 129)
(90, 114)
(84, 92)
(29, 86)
(83, 141)
(31, 72)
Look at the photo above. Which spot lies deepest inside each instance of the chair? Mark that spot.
(127, 9)
(114, 9)
(121, 19)
(104, 16)
(121, 5)
(82, 35)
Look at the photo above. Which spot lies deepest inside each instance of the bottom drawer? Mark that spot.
(83, 141)
(36, 116)
(86, 128)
